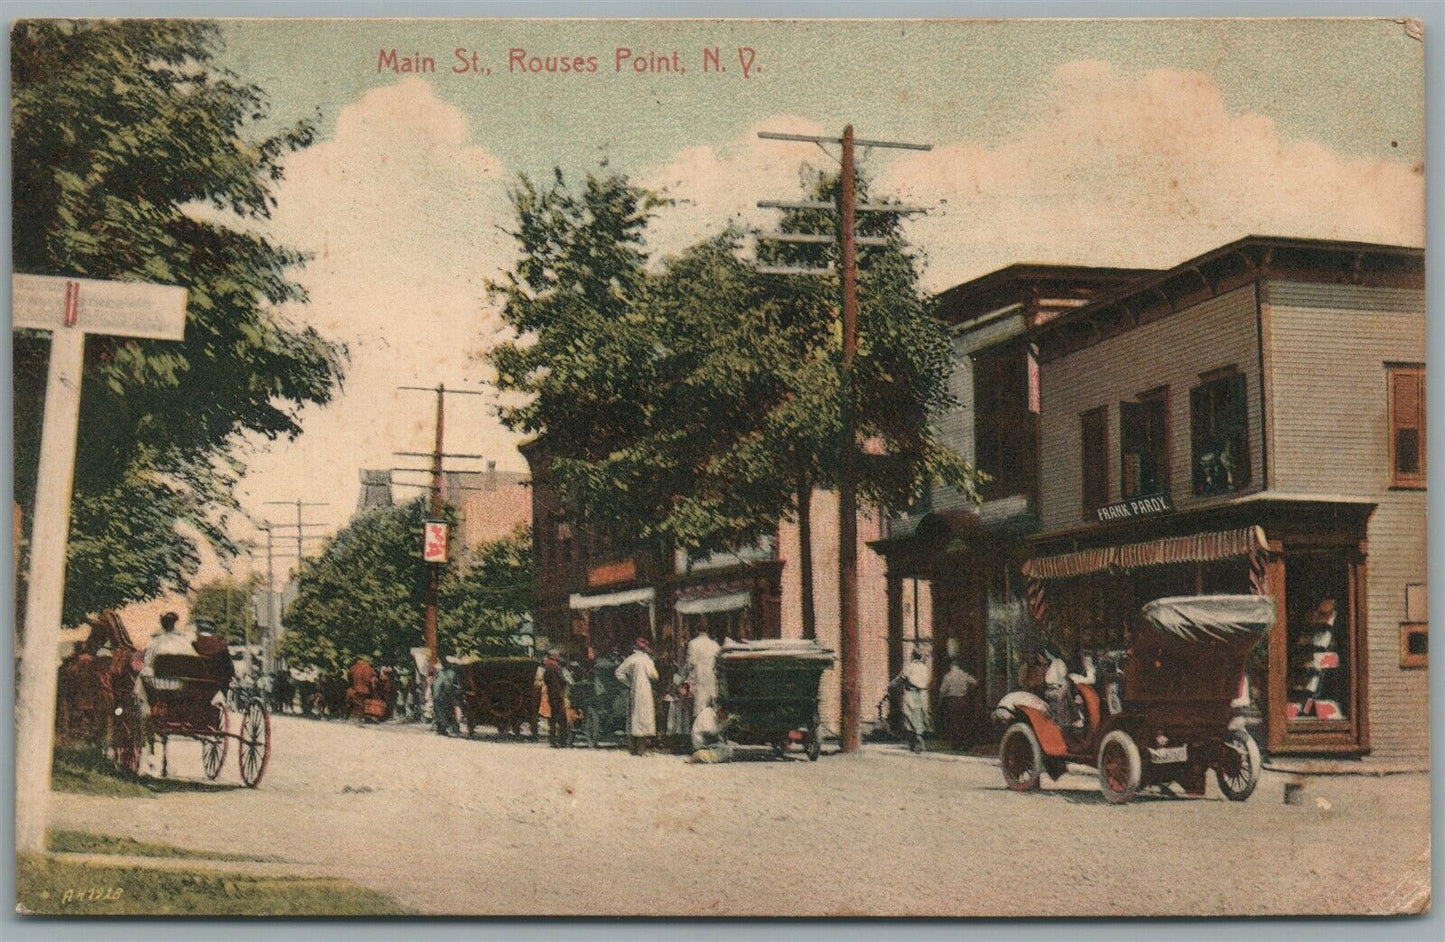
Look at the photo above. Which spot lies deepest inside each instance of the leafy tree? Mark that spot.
(489, 600)
(133, 159)
(710, 392)
(364, 596)
(225, 603)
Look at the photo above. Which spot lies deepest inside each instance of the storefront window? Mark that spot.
(1319, 637)
(1144, 445)
(1219, 433)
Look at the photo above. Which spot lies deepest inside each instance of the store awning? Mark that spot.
(1193, 548)
(714, 603)
(610, 599)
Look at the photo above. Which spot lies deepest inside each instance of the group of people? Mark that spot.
(692, 704)
(911, 686)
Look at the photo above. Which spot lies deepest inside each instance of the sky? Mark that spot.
(1122, 143)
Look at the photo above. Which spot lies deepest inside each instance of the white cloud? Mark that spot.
(714, 186)
(1149, 169)
(401, 210)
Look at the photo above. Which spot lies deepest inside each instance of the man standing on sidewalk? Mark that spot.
(953, 693)
(637, 673)
(556, 679)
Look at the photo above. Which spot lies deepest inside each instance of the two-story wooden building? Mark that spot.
(953, 567)
(1251, 420)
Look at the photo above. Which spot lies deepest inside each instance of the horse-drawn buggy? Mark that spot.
(500, 692)
(1166, 716)
(768, 693)
(185, 698)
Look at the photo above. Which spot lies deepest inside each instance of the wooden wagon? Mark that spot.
(500, 692)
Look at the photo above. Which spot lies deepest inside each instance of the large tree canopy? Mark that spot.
(133, 159)
(701, 403)
(364, 596)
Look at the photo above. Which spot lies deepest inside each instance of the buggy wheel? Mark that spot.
(127, 738)
(1021, 758)
(1238, 772)
(1121, 769)
(255, 745)
(813, 745)
(502, 701)
(214, 748)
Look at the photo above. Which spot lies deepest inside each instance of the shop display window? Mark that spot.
(1320, 635)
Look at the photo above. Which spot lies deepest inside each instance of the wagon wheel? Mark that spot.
(255, 747)
(214, 747)
(502, 701)
(1121, 768)
(127, 737)
(1238, 772)
(813, 743)
(1021, 758)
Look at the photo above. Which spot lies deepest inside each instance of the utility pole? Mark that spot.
(273, 617)
(847, 209)
(433, 576)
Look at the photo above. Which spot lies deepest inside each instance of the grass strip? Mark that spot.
(46, 886)
(82, 842)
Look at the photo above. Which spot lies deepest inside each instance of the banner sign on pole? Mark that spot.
(434, 542)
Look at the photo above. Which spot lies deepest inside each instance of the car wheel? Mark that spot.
(1121, 769)
(1021, 758)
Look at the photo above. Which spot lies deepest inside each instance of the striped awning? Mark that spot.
(1194, 548)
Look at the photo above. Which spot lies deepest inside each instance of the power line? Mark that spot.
(848, 239)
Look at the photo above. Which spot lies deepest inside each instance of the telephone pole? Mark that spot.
(273, 617)
(429, 627)
(848, 239)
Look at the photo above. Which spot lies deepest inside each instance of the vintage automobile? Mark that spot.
(1167, 717)
(768, 693)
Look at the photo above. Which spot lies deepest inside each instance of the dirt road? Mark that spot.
(451, 826)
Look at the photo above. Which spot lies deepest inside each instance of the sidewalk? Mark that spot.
(1370, 767)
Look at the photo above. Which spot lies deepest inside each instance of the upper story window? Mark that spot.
(1005, 426)
(1144, 445)
(1407, 426)
(1094, 426)
(1219, 432)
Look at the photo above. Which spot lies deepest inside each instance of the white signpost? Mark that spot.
(69, 308)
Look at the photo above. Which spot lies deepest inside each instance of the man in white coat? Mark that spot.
(701, 670)
(637, 674)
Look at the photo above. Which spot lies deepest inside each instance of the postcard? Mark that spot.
(789, 468)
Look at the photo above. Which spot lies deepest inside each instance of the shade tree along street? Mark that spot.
(696, 402)
(137, 158)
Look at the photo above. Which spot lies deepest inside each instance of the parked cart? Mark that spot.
(500, 692)
(768, 693)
